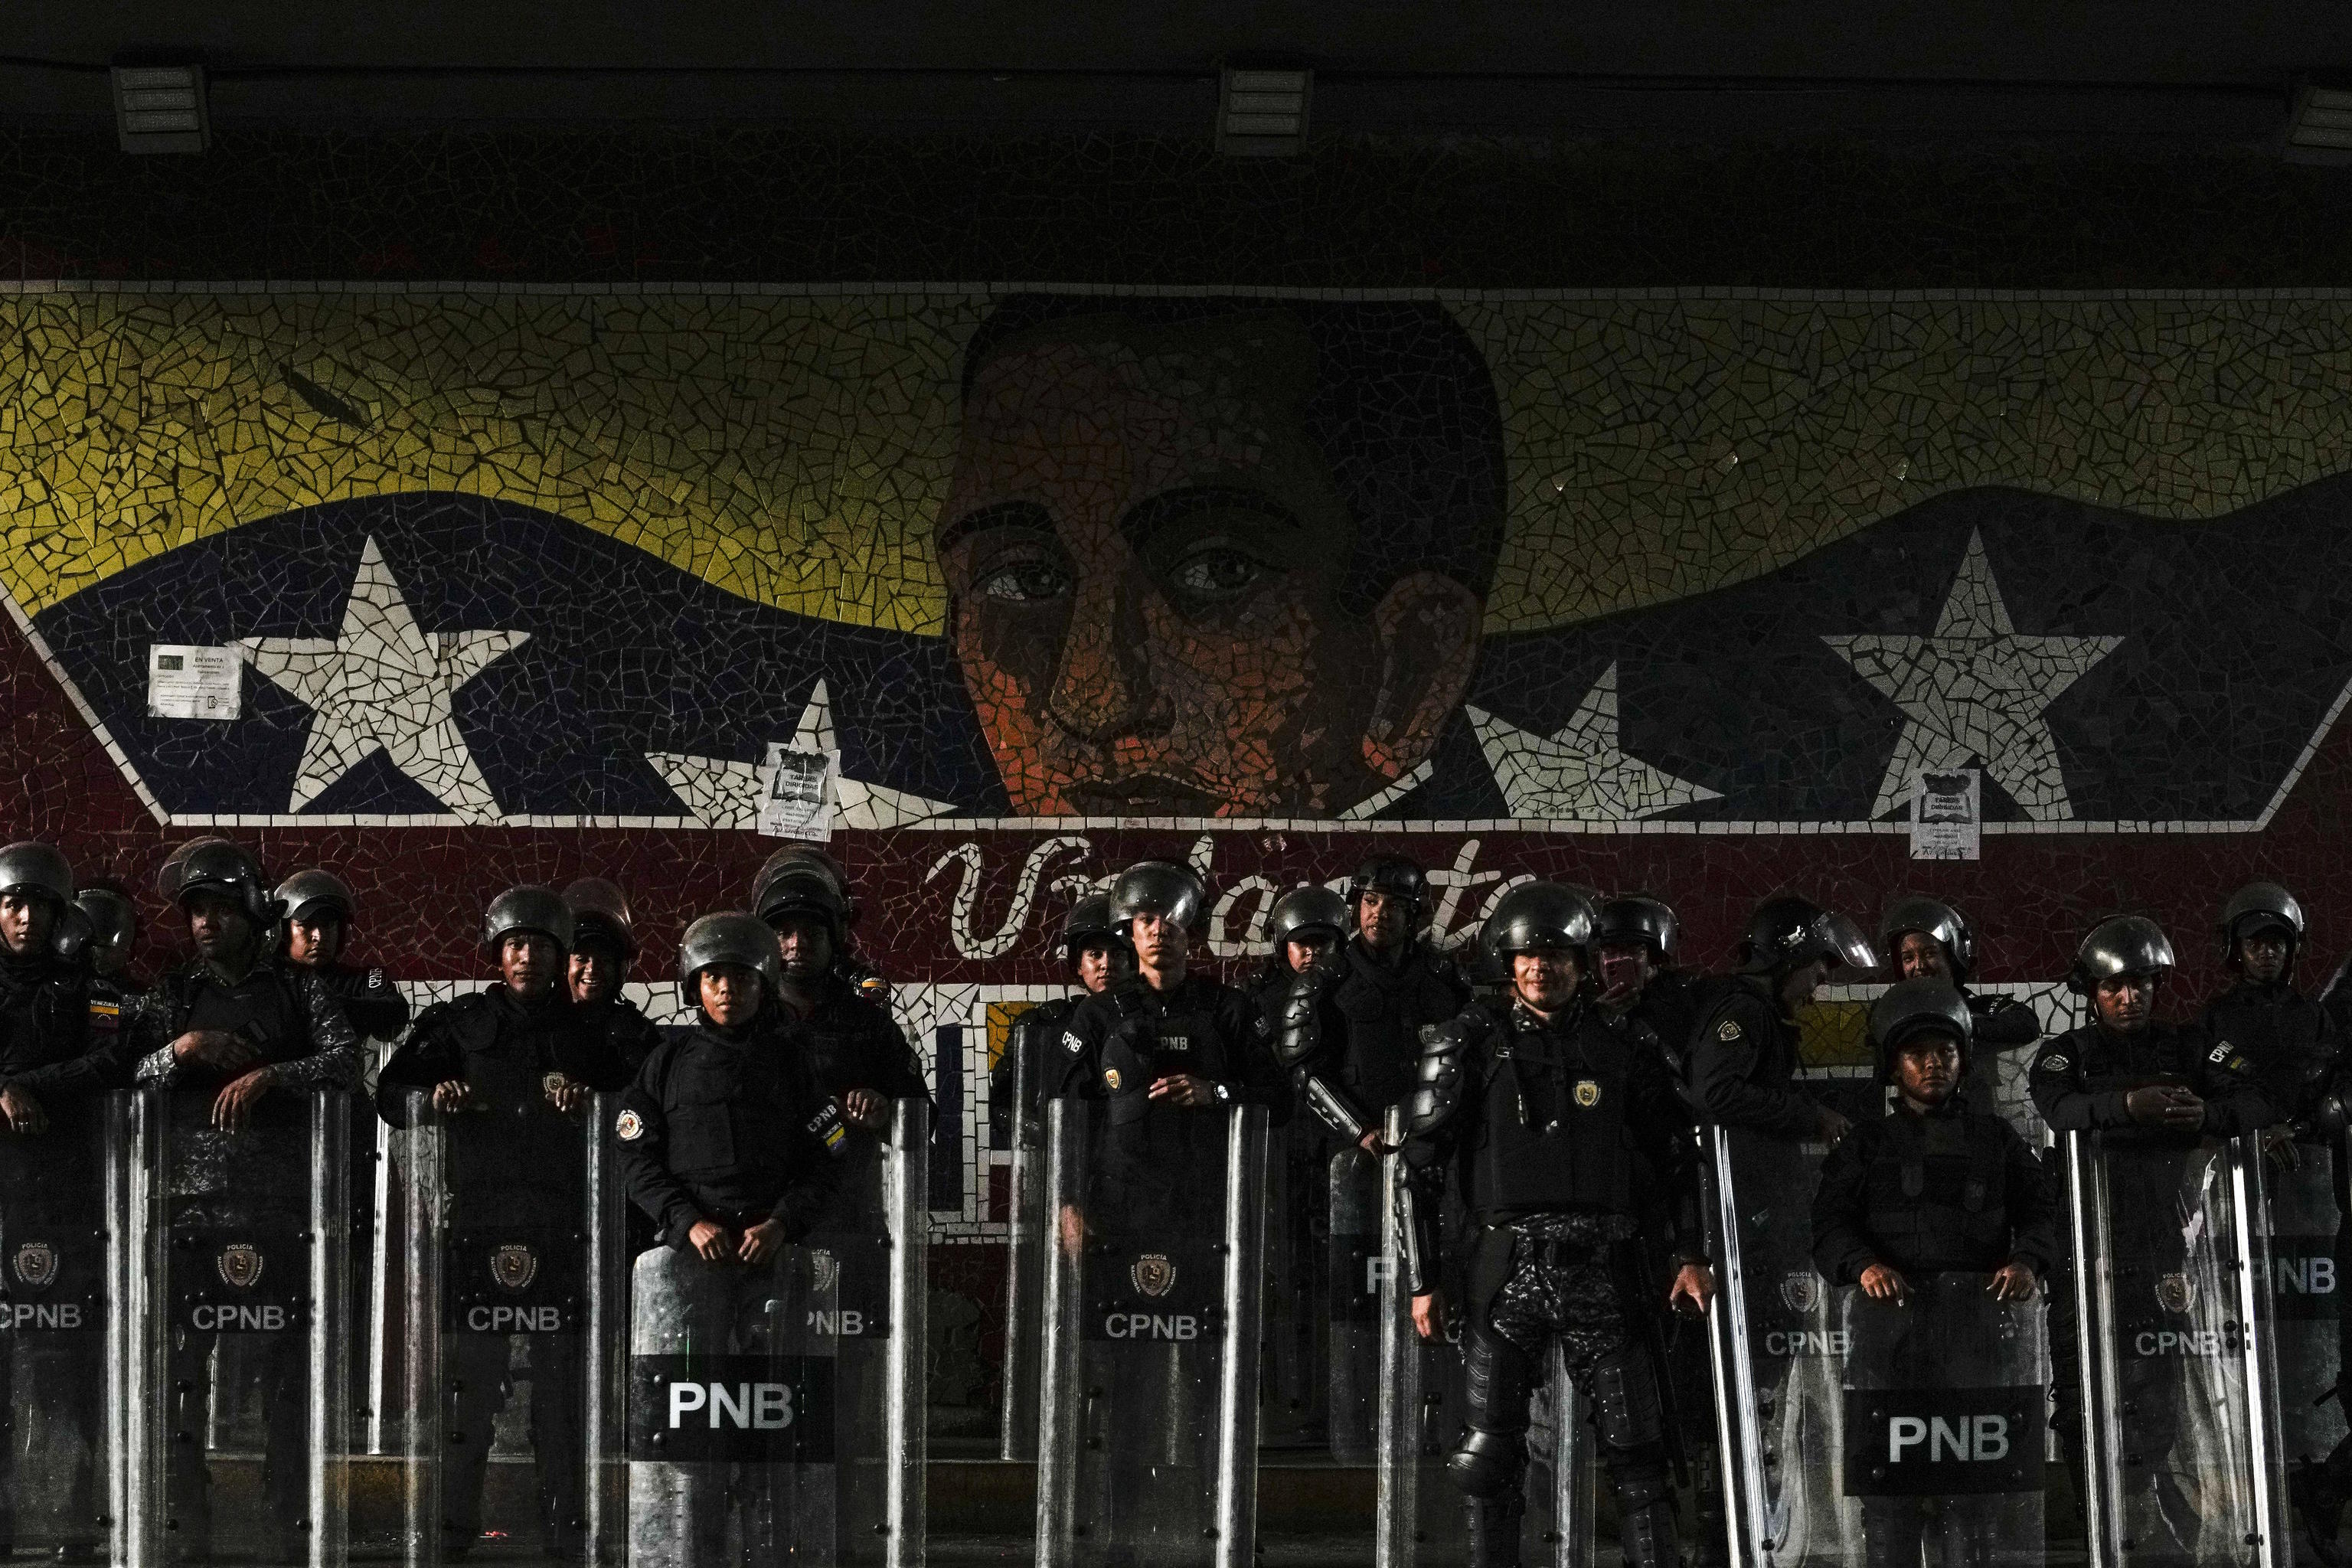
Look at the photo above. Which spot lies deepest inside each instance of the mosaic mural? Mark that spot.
(1671, 590)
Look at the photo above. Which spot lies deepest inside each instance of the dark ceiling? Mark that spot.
(2174, 72)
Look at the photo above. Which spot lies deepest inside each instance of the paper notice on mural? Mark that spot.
(186, 683)
(796, 793)
(1947, 814)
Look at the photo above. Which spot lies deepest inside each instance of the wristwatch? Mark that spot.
(1224, 1096)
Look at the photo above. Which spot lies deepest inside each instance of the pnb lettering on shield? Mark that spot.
(1970, 1439)
(745, 1406)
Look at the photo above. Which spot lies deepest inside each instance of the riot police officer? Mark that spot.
(1302, 932)
(56, 1064)
(726, 1142)
(518, 1183)
(2289, 1040)
(603, 947)
(1926, 938)
(1552, 1120)
(794, 861)
(1168, 1034)
(1037, 1066)
(1633, 947)
(854, 1048)
(218, 1036)
(111, 932)
(2152, 1091)
(312, 934)
(1933, 1188)
(1741, 1060)
(1350, 1033)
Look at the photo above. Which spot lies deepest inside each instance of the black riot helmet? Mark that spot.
(1930, 918)
(527, 909)
(1633, 918)
(804, 887)
(1786, 932)
(731, 937)
(1088, 924)
(217, 866)
(1539, 917)
(798, 861)
(1158, 888)
(600, 912)
(40, 870)
(2121, 944)
(113, 925)
(1912, 1007)
(1394, 877)
(1312, 907)
(311, 888)
(2259, 906)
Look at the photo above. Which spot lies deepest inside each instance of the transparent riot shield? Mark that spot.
(60, 1267)
(875, 1234)
(1149, 1430)
(2168, 1400)
(733, 1411)
(232, 1341)
(1355, 1265)
(511, 1319)
(1421, 1408)
(1946, 1400)
(1774, 1346)
(2303, 1237)
(1024, 1272)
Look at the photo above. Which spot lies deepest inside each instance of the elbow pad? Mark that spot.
(1437, 1091)
(1416, 1217)
(1297, 1021)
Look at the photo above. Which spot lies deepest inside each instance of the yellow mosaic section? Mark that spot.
(1665, 447)
(790, 451)
(1834, 1034)
(1002, 1016)
(795, 450)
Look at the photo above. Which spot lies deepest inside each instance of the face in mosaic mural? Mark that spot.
(1218, 557)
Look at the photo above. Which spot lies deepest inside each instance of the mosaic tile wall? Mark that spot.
(1372, 501)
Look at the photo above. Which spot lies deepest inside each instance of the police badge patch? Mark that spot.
(36, 1263)
(2054, 1064)
(629, 1129)
(2176, 1293)
(1588, 1093)
(1153, 1274)
(1110, 1079)
(1801, 1290)
(514, 1266)
(106, 1018)
(1728, 1030)
(240, 1265)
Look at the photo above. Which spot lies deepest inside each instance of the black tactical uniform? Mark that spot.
(2080, 1081)
(1350, 1035)
(239, 1184)
(1945, 1190)
(1553, 1130)
(2291, 1043)
(518, 1185)
(56, 1047)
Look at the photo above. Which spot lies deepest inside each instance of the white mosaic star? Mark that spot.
(1578, 773)
(719, 791)
(381, 684)
(1976, 691)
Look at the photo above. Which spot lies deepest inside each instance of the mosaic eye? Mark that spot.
(1024, 582)
(1214, 573)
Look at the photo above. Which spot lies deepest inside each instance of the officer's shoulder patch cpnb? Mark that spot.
(1071, 1043)
(1728, 1030)
(375, 980)
(629, 1129)
(2052, 1063)
(2218, 1053)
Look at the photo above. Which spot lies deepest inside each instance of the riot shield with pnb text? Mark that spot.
(234, 1339)
(512, 1325)
(2168, 1400)
(1149, 1430)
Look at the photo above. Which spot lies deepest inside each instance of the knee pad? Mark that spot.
(1625, 1392)
(1487, 1464)
(1640, 1477)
